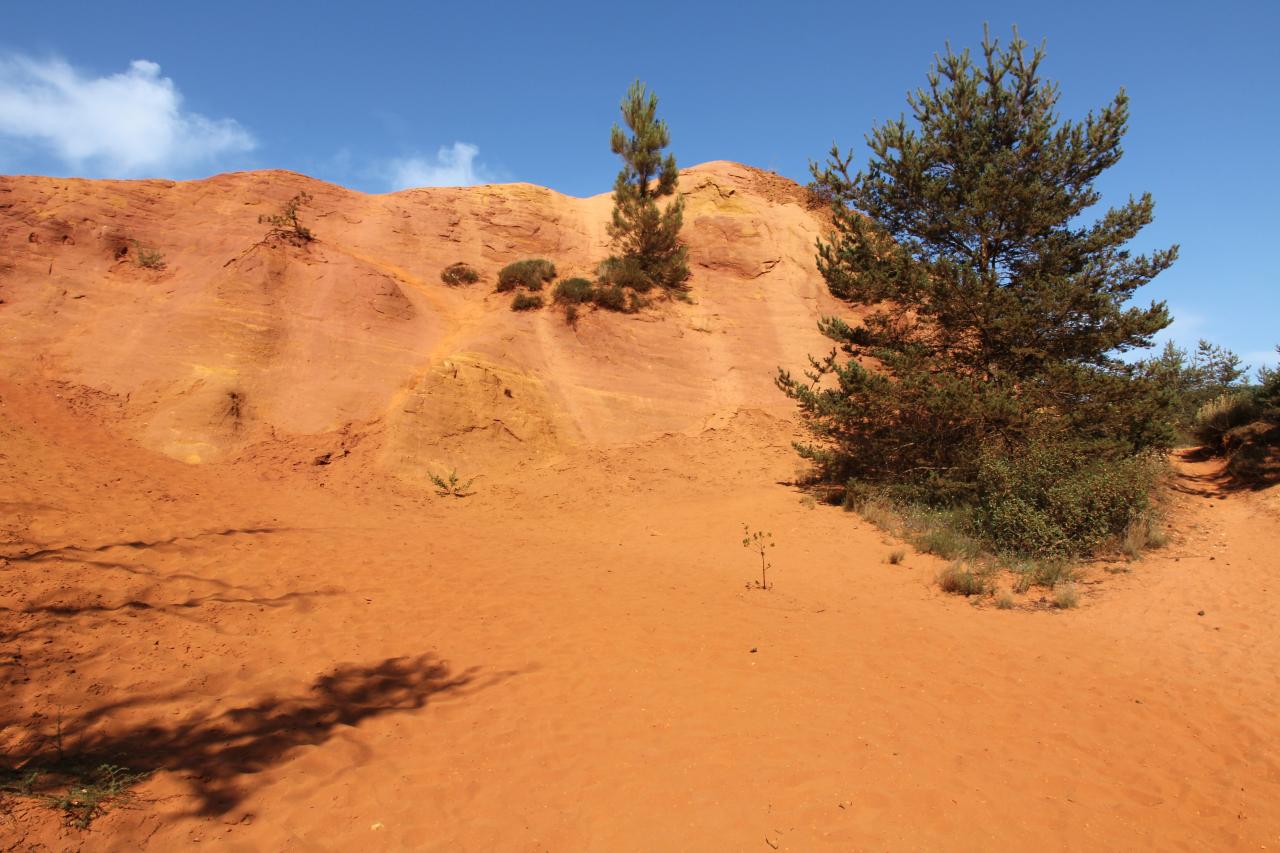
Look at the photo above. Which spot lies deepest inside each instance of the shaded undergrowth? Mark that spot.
(978, 572)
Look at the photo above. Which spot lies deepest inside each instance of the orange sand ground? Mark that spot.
(328, 656)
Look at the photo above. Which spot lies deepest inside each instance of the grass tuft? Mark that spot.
(1066, 597)
(960, 579)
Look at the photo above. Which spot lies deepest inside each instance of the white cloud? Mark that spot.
(453, 166)
(123, 125)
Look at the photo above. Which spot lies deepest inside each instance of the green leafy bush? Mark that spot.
(531, 273)
(612, 298)
(573, 291)
(526, 302)
(459, 273)
(624, 272)
(1046, 499)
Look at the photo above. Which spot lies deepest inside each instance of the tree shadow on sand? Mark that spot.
(215, 754)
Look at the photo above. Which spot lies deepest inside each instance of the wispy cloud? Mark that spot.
(122, 125)
(453, 166)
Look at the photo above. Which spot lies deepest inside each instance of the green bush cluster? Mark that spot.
(531, 273)
(526, 302)
(459, 273)
(625, 272)
(1048, 499)
(574, 292)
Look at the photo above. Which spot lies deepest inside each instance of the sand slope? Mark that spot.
(327, 656)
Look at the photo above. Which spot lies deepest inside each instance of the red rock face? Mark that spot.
(238, 339)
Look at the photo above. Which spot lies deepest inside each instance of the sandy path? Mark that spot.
(565, 662)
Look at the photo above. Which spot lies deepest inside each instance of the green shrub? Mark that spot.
(1221, 415)
(459, 273)
(526, 302)
(532, 273)
(573, 291)
(612, 298)
(1049, 500)
(624, 272)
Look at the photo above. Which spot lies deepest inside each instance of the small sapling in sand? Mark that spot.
(759, 541)
(451, 486)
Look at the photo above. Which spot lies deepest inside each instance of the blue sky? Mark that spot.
(377, 94)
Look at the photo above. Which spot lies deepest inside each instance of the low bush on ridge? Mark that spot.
(459, 273)
(573, 291)
(526, 302)
(531, 273)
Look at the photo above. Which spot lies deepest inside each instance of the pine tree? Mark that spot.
(647, 238)
(994, 318)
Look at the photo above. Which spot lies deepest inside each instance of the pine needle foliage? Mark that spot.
(647, 237)
(286, 224)
(994, 314)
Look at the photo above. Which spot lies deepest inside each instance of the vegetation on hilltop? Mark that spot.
(647, 237)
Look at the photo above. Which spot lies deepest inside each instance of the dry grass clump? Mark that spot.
(1066, 597)
(1143, 533)
(960, 579)
(896, 557)
(1004, 601)
(1222, 414)
(1046, 573)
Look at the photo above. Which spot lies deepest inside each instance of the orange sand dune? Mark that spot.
(328, 656)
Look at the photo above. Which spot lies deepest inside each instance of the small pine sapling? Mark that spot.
(286, 224)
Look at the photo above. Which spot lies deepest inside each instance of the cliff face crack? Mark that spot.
(767, 266)
(496, 422)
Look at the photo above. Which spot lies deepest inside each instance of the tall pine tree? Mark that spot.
(648, 238)
(994, 315)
